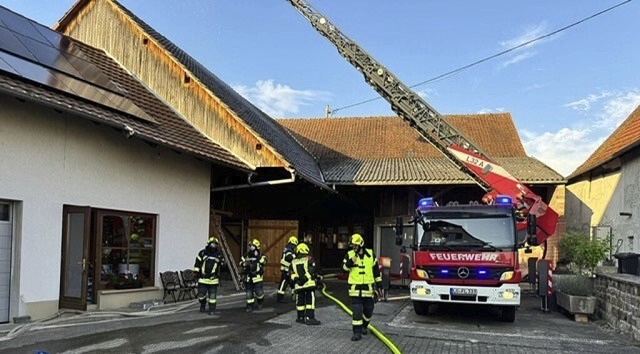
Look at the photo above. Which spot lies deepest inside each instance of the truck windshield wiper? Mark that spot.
(428, 247)
(487, 244)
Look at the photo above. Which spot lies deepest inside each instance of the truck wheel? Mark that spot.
(421, 308)
(508, 314)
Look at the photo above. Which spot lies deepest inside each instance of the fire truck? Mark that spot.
(461, 253)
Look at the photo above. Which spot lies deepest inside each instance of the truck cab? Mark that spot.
(466, 254)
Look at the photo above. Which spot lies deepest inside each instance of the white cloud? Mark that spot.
(426, 93)
(491, 110)
(525, 51)
(563, 150)
(568, 148)
(280, 100)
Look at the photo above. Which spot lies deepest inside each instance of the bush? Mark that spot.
(577, 248)
(578, 285)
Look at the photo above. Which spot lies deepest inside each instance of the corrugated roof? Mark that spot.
(278, 138)
(169, 128)
(626, 137)
(386, 150)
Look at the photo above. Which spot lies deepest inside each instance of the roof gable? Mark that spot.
(624, 138)
(164, 127)
(263, 129)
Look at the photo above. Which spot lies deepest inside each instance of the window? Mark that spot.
(127, 249)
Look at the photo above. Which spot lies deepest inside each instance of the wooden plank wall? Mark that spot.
(102, 25)
(273, 236)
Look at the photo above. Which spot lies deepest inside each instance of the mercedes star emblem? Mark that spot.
(463, 272)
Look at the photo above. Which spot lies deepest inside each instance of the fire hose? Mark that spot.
(374, 330)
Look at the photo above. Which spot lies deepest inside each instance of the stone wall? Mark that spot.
(618, 302)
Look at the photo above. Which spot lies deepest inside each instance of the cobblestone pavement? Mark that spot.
(273, 329)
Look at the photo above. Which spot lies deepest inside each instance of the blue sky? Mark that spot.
(566, 93)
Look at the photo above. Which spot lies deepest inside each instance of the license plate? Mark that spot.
(464, 291)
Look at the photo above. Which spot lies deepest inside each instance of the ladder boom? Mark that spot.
(432, 126)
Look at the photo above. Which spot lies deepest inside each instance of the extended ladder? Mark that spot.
(231, 262)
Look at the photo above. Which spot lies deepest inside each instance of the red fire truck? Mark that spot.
(461, 254)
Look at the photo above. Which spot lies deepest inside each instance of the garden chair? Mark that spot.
(189, 283)
(171, 285)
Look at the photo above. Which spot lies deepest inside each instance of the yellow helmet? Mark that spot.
(256, 243)
(356, 239)
(302, 249)
(293, 240)
(212, 239)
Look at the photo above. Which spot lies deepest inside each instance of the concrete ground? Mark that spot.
(447, 329)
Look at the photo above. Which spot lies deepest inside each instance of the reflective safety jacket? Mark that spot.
(252, 266)
(304, 273)
(287, 257)
(207, 266)
(364, 274)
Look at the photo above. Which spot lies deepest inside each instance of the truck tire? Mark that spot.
(421, 308)
(508, 314)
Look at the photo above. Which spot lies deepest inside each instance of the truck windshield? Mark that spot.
(489, 233)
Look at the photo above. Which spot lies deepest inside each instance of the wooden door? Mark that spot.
(75, 255)
(273, 236)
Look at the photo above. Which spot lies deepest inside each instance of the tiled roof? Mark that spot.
(623, 139)
(169, 129)
(385, 150)
(262, 124)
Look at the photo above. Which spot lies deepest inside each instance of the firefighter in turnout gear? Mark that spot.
(252, 265)
(304, 274)
(288, 254)
(207, 268)
(364, 281)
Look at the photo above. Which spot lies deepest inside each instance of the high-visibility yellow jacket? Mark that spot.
(207, 266)
(304, 273)
(364, 274)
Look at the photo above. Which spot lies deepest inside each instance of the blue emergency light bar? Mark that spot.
(425, 203)
(503, 200)
(444, 271)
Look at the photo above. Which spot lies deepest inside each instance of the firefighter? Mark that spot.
(207, 268)
(252, 265)
(285, 262)
(304, 274)
(364, 281)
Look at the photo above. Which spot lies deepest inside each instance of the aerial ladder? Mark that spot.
(432, 126)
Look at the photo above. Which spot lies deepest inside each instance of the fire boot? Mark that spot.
(280, 298)
(365, 331)
(211, 308)
(249, 307)
(356, 336)
(203, 306)
(300, 320)
(312, 321)
(260, 301)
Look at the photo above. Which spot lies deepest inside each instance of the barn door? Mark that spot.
(273, 236)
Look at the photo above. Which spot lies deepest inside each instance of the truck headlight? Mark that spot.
(422, 273)
(506, 276)
(509, 294)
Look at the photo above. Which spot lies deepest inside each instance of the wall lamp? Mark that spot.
(624, 213)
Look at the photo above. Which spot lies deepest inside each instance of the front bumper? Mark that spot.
(505, 295)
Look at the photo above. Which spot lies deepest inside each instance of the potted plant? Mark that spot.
(127, 281)
(575, 292)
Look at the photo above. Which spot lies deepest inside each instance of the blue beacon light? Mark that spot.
(503, 200)
(425, 203)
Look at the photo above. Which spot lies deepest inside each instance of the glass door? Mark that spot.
(75, 257)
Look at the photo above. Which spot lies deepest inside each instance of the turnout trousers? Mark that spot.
(362, 308)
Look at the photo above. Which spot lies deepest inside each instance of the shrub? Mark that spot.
(577, 248)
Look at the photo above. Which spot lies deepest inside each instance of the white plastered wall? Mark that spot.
(50, 159)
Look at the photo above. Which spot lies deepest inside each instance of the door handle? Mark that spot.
(84, 263)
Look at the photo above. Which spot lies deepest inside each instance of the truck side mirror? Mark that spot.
(399, 224)
(532, 229)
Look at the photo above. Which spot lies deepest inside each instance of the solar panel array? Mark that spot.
(37, 53)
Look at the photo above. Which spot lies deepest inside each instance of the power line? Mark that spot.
(462, 68)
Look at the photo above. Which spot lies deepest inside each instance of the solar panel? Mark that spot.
(40, 54)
